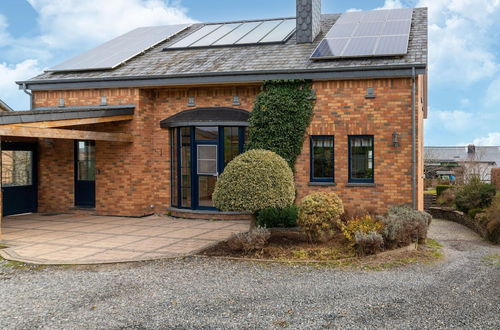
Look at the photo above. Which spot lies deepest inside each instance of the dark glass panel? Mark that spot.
(174, 166)
(86, 160)
(207, 133)
(185, 167)
(361, 158)
(206, 186)
(17, 168)
(231, 144)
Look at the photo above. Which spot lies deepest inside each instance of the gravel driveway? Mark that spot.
(461, 291)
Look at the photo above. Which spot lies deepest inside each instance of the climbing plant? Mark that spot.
(280, 116)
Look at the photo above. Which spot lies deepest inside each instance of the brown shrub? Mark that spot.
(357, 212)
(447, 198)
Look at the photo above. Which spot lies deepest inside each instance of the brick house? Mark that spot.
(150, 132)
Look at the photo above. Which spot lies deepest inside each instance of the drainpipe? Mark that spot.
(413, 142)
(29, 93)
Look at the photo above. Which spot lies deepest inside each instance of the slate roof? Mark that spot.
(214, 116)
(4, 106)
(77, 112)
(270, 58)
(487, 154)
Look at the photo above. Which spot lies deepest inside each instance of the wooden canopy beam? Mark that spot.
(72, 122)
(69, 134)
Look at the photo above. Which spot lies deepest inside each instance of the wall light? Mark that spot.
(104, 100)
(191, 101)
(236, 100)
(61, 102)
(395, 139)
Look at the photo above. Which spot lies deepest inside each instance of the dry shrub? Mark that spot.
(368, 243)
(351, 212)
(403, 225)
(493, 222)
(447, 197)
(249, 241)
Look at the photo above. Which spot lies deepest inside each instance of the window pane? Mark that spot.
(322, 158)
(207, 159)
(185, 167)
(86, 160)
(206, 186)
(174, 165)
(231, 144)
(17, 168)
(207, 133)
(361, 158)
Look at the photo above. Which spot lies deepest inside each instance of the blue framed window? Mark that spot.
(361, 161)
(322, 158)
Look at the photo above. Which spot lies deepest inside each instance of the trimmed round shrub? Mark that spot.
(319, 215)
(255, 180)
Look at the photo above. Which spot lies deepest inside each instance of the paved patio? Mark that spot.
(83, 239)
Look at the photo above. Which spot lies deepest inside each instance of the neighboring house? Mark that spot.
(4, 107)
(461, 162)
(144, 123)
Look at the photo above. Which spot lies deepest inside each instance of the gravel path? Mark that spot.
(461, 291)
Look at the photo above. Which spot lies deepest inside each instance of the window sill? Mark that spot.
(322, 184)
(360, 184)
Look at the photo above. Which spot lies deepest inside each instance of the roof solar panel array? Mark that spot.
(369, 33)
(244, 33)
(116, 51)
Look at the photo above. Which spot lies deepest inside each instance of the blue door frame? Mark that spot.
(219, 142)
(21, 198)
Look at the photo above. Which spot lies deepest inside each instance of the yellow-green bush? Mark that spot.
(363, 225)
(255, 180)
(319, 214)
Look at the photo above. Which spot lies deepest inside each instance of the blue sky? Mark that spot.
(464, 47)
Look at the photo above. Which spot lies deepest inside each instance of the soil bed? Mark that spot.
(287, 244)
(293, 246)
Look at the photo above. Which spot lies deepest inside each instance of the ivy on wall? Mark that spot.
(281, 114)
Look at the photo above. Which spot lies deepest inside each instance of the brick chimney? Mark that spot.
(471, 149)
(308, 20)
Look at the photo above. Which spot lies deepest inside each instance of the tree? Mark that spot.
(255, 180)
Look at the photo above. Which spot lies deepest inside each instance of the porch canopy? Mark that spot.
(215, 116)
(50, 122)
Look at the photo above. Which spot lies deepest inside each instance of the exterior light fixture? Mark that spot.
(313, 95)
(370, 93)
(104, 100)
(395, 139)
(61, 102)
(236, 100)
(191, 101)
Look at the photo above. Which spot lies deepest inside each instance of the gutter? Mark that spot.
(222, 77)
(413, 142)
(25, 89)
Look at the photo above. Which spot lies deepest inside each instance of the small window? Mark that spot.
(322, 159)
(361, 158)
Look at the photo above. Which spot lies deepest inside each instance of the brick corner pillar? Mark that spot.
(495, 177)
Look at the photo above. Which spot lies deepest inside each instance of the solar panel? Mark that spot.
(369, 33)
(243, 33)
(116, 51)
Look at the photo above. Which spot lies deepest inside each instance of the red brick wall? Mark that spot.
(134, 179)
(495, 177)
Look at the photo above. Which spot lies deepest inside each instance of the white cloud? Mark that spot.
(69, 23)
(492, 139)
(391, 4)
(10, 92)
(461, 39)
(452, 121)
(4, 35)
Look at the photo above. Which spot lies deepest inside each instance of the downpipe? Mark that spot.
(29, 93)
(413, 141)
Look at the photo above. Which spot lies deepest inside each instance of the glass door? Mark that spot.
(206, 173)
(85, 174)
